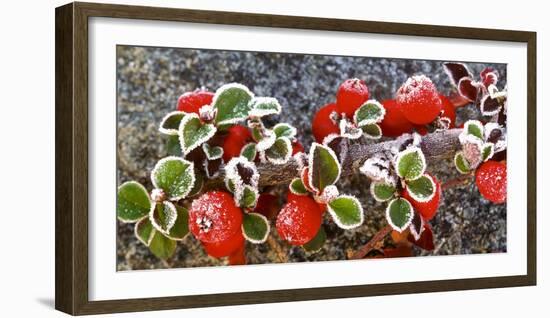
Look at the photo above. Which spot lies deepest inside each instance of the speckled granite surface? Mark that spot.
(149, 81)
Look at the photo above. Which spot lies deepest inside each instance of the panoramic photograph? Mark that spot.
(247, 158)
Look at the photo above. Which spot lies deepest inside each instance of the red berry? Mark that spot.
(448, 110)
(491, 181)
(394, 123)
(305, 179)
(419, 100)
(297, 147)
(237, 137)
(225, 248)
(214, 217)
(299, 220)
(351, 94)
(426, 209)
(325, 122)
(191, 102)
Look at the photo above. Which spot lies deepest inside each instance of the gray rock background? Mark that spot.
(149, 81)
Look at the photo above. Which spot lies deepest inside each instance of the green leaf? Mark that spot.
(410, 163)
(399, 214)
(162, 246)
(316, 244)
(197, 186)
(181, 227)
(246, 197)
(212, 153)
(324, 168)
(255, 227)
(192, 133)
(421, 189)
(249, 151)
(173, 147)
(232, 103)
(230, 185)
(297, 187)
(372, 131)
(370, 112)
(346, 211)
(284, 130)
(164, 216)
(133, 202)
(169, 125)
(263, 106)
(382, 191)
(280, 152)
(474, 128)
(175, 176)
(461, 163)
(488, 151)
(144, 231)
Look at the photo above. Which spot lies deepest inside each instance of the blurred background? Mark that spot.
(149, 81)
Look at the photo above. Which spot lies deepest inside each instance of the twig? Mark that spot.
(435, 146)
(281, 255)
(365, 249)
(460, 181)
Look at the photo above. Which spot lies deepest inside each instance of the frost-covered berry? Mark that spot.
(225, 248)
(426, 209)
(325, 122)
(448, 110)
(394, 123)
(299, 220)
(191, 102)
(419, 100)
(491, 181)
(351, 94)
(214, 217)
(237, 137)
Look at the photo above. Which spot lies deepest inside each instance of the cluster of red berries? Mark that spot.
(417, 104)
(351, 94)
(216, 221)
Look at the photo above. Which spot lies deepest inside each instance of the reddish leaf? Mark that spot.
(457, 100)
(490, 106)
(456, 71)
(426, 240)
(468, 88)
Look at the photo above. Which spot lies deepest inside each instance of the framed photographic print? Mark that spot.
(249, 158)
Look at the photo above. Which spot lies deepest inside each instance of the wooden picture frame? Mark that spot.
(71, 89)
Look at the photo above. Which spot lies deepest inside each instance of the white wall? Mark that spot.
(27, 137)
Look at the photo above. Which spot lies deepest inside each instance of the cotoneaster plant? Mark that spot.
(401, 181)
(313, 193)
(225, 163)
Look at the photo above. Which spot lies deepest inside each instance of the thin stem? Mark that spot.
(365, 249)
(457, 182)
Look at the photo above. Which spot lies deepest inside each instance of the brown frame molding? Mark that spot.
(71, 154)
